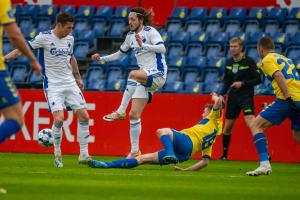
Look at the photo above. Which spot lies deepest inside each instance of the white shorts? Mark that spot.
(59, 98)
(156, 80)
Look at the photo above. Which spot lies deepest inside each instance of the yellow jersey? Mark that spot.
(204, 133)
(275, 62)
(6, 17)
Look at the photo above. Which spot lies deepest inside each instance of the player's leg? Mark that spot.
(275, 113)
(55, 99)
(137, 107)
(296, 123)
(58, 117)
(166, 137)
(151, 158)
(11, 109)
(232, 112)
(13, 121)
(83, 134)
(135, 78)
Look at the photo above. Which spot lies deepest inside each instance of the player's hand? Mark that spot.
(179, 168)
(138, 40)
(80, 84)
(237, 84)
(95, 56)
(36, 67)
(214, 97)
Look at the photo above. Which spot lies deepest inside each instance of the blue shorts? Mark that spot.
(279, 110)
(182, 145)
(8, 93)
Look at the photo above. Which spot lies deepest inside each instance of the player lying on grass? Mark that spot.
(179, 146)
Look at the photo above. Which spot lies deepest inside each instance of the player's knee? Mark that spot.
(162, 131)
(84, 118)
(132, 75)
(59, 122)
(134, 115)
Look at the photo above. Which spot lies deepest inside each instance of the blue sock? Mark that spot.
(261, 144)
(168, 144)
(123, 163)
(8, 128)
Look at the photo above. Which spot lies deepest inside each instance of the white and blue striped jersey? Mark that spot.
(148, 60)
(54, 56)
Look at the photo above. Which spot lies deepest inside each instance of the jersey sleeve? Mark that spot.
(125, 47)
(155, 37)
(37, 42)
(214, 114)
(6, 13)
(269, 67)
(206, 153)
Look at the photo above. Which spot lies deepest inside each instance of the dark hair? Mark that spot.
(144, 14)
(266, 43)
(64, 18)
(209, 106)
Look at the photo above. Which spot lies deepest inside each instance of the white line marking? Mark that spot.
(3, 191)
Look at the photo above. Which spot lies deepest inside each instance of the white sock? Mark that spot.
(265, 163)
(130, 89)
(57, 137)
(135, 132)
(83, 134)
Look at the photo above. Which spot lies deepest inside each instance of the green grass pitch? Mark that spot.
(33, 176)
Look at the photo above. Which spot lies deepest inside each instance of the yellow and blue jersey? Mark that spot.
(204, 133)
(6, 17)
(275, 62)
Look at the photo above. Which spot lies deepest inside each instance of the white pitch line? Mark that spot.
(3, 191)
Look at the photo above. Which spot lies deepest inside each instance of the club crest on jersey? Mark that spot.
(59, 52)
(235, 69)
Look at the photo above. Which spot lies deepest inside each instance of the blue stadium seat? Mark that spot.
(69, 9)
(48, 12)
(291, 27)
(21, 60)
(98, 26)
(256, 36)
(80, 50)
(81, 24)
(174, 87)
(86, 36)
(232, 26)
(193, 88)
(295, 40)
(234, 20)
(175, 50)
(116, 85)
(193, 27)
(174, 75)
(174, 26)
(190, 75)
(122, 13)
(281, 39)
(34, 79)
(294, 14)
(117, 27)
(7, 47)
(176, 62)
(114, 79)
(196, 62)
(165, 37)
(180, 37)
(251, 51)
(199, 37)
(218, 38)
(271, 27)
(30, 11)
(194, 50)
(43, 23)
(218, 14)
(104, 12)
(19, 73)
(257, 14)
(293, 52)
(29, 34)
(217, 63)
(251, 26)
(198, 14)
(25, 23)
(179, 13)
(243, 36)
(213, 26)
(213, 51)
(277, 14)
(86, 12)
(119, 63)
(17, 10)
(210, 80)
(94, 73)
(96, 85)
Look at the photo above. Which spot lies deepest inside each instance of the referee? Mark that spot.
(241, 75)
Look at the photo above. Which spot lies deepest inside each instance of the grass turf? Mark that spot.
(33, 176)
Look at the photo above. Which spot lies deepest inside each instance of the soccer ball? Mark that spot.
(45, 137)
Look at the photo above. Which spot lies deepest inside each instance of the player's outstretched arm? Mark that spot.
(17, 39)
(12, 55)
(218, 101)
(199, 165)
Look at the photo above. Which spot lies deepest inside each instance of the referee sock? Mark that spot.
(226, 142)
(130, 89)
(261, 144)
(8, 128)
(123, 163)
